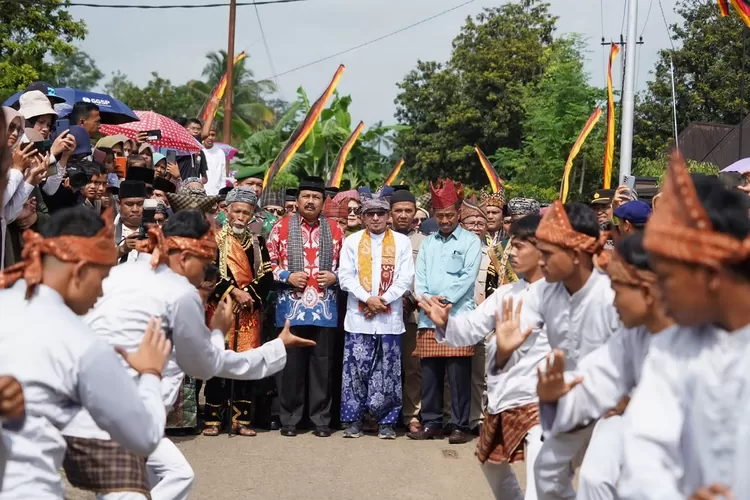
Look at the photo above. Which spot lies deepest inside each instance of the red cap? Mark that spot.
(445, 194)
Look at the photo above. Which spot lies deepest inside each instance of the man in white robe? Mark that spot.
(61, 365)
(511, 380)
(602, 383)
(137, 291)
(575, 306)
(687, 424)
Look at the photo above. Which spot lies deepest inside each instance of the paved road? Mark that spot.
(271, 466)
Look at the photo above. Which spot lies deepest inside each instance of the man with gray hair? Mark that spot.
(245, 275)
(376, 269)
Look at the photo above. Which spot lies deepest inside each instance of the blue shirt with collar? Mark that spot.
(448, 267)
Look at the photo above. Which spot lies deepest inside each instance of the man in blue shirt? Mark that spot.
(447, 267)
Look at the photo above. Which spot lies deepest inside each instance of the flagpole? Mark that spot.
(228, 94)
(628, 94)
(742, 90)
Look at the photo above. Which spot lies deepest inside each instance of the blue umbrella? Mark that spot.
(113, 111)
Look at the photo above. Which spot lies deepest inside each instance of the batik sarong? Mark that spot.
(371, 378)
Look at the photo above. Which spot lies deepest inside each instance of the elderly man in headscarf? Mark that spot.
(376, 270)
(245, 275)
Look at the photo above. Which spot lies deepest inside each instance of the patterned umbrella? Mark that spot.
(172, 134)
(229, 151)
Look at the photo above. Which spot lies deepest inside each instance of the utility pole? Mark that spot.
(628, 94)
(229, 92)
(742, 90)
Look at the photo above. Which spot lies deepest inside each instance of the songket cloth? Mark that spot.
(428, 347)
(184, 412)
(503, 434)
(371, 378)
(103, 466)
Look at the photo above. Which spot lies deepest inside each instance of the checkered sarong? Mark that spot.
(501, 439)
(104, 467)
(428, 347)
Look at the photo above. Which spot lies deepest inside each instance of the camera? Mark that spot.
(78, 176)
(149, 217)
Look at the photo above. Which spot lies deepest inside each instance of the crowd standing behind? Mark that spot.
(357, 311)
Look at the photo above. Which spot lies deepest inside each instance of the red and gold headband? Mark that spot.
(681, 229)
(555, 228)
(159, 246)
(98, 249)
(621, 271)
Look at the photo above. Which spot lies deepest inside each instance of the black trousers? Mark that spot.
(217, 394)
(308, 371)
(434, 371)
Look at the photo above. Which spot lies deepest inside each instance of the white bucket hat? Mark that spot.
(34, 103)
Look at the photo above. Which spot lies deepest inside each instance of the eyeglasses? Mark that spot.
(277, 211)
(477, 224)
(615, 220)
(354, 210)
(379, 213)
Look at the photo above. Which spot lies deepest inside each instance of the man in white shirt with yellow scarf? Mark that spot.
(376, 269)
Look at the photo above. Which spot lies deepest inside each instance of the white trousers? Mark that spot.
(600, 471)
(169, 472)
(503, 481)
(556, 463)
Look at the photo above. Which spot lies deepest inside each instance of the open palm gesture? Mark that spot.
(508, 333)
(551, 384)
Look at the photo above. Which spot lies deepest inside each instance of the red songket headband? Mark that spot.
(681, 229)
(159, 246)
(98, 249)
(555, 228)
(620, 271)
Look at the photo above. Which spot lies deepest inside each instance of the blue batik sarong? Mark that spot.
(371, 378)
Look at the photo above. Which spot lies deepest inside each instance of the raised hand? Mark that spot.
(291, 340)
(223, 317)
(435, 310)
(11, 398)
(551, 384)
(153, 352)
(713, 492)
(508, 334)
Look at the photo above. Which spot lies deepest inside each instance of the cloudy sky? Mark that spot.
(174, 42)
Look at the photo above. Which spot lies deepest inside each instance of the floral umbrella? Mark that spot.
(173, 135)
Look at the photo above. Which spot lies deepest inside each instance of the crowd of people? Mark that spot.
(134, 283)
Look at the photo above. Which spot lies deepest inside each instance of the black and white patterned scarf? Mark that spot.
(296, 247)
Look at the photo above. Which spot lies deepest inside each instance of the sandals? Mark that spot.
(415, 427)
(211, 430)
(243, 430)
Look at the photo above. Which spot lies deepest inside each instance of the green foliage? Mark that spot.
(656, 167)
(77, 70)
(708, 67)
(159, 95)
(29, 34)
(283, 180)
(477, 96)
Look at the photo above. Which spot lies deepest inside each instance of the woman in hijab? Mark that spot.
(14, 123)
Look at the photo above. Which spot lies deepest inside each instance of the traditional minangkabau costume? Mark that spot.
(49, 349)
(687, 422)
(374, 266)
(500, 272)
(262, 220)
(447, 266)
(243, 264)
(576, 324)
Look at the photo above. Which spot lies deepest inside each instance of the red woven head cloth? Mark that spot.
(682, 230)
(445, 193)
(555, 228)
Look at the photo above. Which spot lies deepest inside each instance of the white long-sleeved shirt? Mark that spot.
(62, 368)
(514, 384)
(135, 293)
(687, 424)
(388, 323)
(609, 373)
(216, 163)
(578, 323)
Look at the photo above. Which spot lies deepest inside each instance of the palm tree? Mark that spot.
(250, 112)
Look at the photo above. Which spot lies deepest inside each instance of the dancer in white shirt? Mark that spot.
(604, 379)
(60, 363)
(163, 282)
(687, 423)
(512, 356)
(376, 268)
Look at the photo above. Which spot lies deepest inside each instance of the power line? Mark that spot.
(161, 7)
(624, 12)
(648, 14)
(370, 42)
(268, 50)
(666, 25)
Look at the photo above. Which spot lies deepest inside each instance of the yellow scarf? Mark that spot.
(387, 262)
